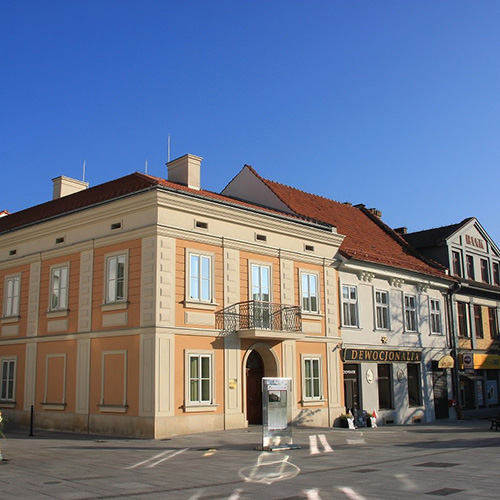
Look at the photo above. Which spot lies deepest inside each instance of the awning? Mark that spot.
(446, 362)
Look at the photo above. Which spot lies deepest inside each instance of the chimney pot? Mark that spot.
(401, 230)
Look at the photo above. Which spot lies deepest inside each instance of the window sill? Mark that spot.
(313, 402)
(113, 408)
(114, 306)
(200, 408)
(7, 404)
(346, 327)
(411, 332)
(383, 330)
(10, 319)
(54, 406)
(311, 315)
(57, 313)
(194, 304)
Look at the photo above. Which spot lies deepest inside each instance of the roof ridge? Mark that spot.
(399, 239)
(345, 204)
(457, 224)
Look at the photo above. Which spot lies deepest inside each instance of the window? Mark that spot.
(384, 387)
(7, 375)
(11, 306)
(463, 331)
(470, 267)
(485, 275)
(414, 393)
(493, 322)
(496, 273)
(261, 295)
(382, 309)
(310, 302)
(457, 265)
(115, 272)
(478, 321)
(200, 378)
(436, 316)
(59, 288)
(312, 378)
(200, 277)
(350, 305)
(410, 313)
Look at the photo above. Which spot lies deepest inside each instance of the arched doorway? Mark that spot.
(254, 373)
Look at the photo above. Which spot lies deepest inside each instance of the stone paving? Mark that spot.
(451, 459)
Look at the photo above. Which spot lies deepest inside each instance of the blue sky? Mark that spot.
(394, 104)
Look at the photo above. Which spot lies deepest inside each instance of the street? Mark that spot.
(453, 459)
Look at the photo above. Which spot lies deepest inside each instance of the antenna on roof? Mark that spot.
(168, 149)
(84, 162)
(146, 167)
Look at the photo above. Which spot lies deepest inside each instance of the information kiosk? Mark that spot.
(277, 414)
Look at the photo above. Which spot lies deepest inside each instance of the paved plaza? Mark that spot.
(451, 459)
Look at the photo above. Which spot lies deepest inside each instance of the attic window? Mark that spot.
(13, 252)
(309, 248)
(260, 237)
(200, 224)
(116, 225)
(60, 240)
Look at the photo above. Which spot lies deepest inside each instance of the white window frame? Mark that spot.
(382, 307)
(4, 383)
(410, 310)
(62, 286)
(12, 298)
(108, 258)
(201, 256)
(306, 294)
(435, 316)
(199, 404)
(349, 302)
(251, 265)
(309, 381)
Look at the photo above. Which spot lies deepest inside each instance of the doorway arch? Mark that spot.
(259, 361)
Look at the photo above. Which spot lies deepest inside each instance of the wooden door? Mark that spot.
(255, 372)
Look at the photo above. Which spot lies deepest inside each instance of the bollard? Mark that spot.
(31, 421)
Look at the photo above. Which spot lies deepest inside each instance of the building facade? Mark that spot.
(149, 307)
(392, 307)
(473, 259)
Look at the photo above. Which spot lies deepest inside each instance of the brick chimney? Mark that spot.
(401, 230)
(185, 170)
(63, 186)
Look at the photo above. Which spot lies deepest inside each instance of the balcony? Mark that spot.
(260, 320)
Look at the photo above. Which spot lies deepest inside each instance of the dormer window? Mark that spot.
(457, 264)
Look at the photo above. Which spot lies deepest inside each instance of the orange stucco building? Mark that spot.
(150, 307)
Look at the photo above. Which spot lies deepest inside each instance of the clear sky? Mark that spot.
(394, 104)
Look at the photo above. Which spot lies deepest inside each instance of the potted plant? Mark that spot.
(347, 420)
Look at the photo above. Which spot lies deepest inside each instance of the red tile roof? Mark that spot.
(118, 188)
(367, 238)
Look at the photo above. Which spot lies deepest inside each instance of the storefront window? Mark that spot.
(385, 387)
(414, 392)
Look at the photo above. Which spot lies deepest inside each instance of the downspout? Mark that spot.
(454, 348)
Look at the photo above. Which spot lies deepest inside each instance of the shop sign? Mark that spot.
(381, 355)
(474, 242)
(446, 362)
(486, 361)
(468, 362)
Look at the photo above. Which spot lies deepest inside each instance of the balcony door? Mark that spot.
(261, 295)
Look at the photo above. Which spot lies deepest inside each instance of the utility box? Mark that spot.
(277, 413)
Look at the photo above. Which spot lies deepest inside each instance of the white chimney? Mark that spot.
(64, 186)
(185, 170)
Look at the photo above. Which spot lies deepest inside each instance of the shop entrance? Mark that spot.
(351, 388)
(254, 372)
(440, 386)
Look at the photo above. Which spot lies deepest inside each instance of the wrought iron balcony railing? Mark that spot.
(256, 315)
